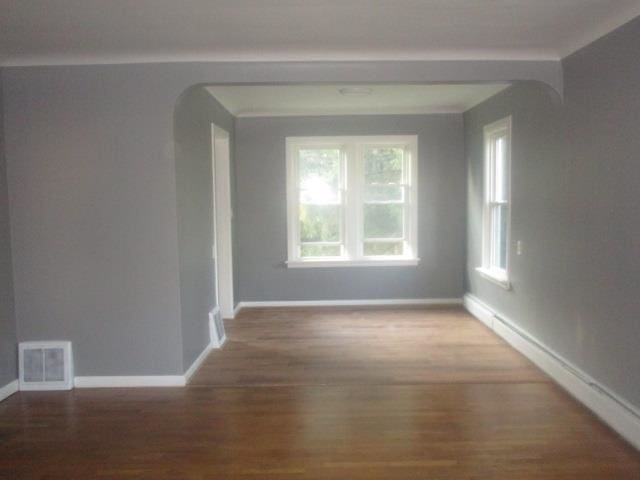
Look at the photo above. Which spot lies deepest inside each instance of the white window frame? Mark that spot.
(352, 148)
(488, 269)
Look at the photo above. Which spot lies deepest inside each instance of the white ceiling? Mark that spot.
(296, 100)
(121, 31)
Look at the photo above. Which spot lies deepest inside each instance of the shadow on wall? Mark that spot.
(195, 111)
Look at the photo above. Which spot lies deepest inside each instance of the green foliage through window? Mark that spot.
(319, 175)
(319, 251)
(383, 165)
(319, 223)
(383, 220)
(383, 248)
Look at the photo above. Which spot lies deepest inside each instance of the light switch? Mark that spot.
(519, 247)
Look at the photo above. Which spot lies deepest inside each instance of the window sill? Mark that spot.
(494, 277)
(399, 262)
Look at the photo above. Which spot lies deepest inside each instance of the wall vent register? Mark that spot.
(45, 366)
(216, 329)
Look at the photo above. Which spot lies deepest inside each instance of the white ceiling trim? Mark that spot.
(338, 113)
(606, 26)
(272, 57)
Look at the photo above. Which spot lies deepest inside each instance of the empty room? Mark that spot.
(320, 239)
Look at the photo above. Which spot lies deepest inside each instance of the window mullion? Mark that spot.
(408, 206)
(488, 211)
(493, 262)
(352, 202)
(293, 201)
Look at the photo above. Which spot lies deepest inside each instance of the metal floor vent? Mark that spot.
(216, 328)
(45, 366)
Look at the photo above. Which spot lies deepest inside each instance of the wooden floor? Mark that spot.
(347, 346)
(325, 394)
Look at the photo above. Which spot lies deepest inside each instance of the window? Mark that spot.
(497, 187)
(352, 201)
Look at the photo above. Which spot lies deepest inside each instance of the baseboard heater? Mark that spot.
(613, 410)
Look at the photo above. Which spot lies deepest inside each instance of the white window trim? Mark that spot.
(353, 243)
(495, 275)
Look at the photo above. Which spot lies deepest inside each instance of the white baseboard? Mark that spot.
(197, 362)
(9, 389)
(475, 307)
(130, 381)
(613, 410)
(347, 303)
(236, 310)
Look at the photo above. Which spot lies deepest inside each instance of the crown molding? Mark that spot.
(339, 113)
(273, 57)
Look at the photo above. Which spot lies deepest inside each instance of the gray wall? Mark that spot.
(603, 134)
(93, 215)
(195, 111)
(8, 349)
(575, 205)
(539, 212)
(92, 188)
(261, 212)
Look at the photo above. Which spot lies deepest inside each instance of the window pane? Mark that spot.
(320, 223)
(383, 165)
(319, 175)
(383, 221)
(499, 233)
(320, 251)
(320, 196)
(501, 173)
(383, 193)
(383, 248)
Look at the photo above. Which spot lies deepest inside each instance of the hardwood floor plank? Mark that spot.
(347, 346)
(327, 394)
(498, 431)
